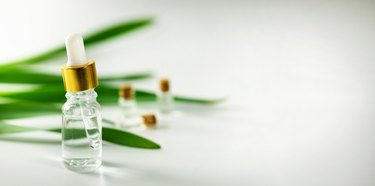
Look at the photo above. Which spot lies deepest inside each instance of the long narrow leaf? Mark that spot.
(8, 129)
(112, 135)
(24, 76)
(16, 110)
(90, 40)
(126, 138)
(55, 94)
(42, 94)
(119, 137)
(106, 95)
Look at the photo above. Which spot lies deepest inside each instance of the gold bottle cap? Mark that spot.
(164, 85)
(126, 91)
(80, 78)
(149, 120)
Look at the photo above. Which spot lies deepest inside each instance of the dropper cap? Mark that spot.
(75, 49)
(79, 74)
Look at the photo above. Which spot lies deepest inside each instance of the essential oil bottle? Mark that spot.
(128, 107)
(149, 120)
(164, 96)
(81, 121)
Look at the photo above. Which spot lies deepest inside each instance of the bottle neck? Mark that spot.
(82, 96)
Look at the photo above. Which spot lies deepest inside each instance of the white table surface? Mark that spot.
(298, 76)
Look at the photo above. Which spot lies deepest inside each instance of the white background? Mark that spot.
(298, 77)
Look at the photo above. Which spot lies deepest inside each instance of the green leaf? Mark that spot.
(116, 136)
(198, 100)
(106, 95)
(127, 77)
(109, 95)
(15, 110)
(126, 138)
(90, 40)
(22, 76)
(7, 129)
(42, 95)
(55, 94)
(112, 135)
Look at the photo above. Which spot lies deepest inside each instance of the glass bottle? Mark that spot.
(149, 120)
(81, 131)
(128, 107)
(165, 98)
(81, 120)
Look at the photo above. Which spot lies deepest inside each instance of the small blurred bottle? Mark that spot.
(149, 120)
(128, 106)
(140, 122)
(165, 98)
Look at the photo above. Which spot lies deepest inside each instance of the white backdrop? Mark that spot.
(298, 77)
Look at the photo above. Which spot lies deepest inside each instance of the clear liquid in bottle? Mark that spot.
(81, 135)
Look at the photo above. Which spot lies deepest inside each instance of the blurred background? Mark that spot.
(297, 76)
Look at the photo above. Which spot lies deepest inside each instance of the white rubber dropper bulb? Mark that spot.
(75, 50)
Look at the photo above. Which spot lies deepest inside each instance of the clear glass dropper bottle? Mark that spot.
(82, 122)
